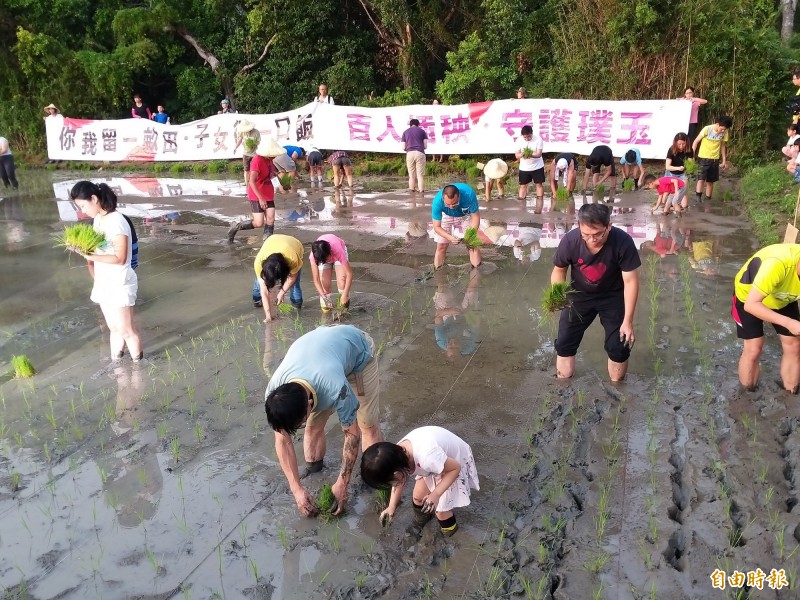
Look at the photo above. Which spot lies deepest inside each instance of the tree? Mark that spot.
(788, 8)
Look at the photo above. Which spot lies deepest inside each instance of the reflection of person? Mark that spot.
(444, 469)
(688, 94)
(494, 170)
(415, 141)
(161, 116)
(601, 156)
(7, 169)
(225, 107)
(766, 289)
(329, 253)
(531, 166)
(708, 147)
(565, 167)
(279, 261)
(139, 109)
(662, 244)
(323, 97)
(340, 161)
(261, 190)
(115, 282)
(455, 205)
(250, 138)
(702, 257)
(631, 163)
(453, 334)
(326, 370)
(603, 264)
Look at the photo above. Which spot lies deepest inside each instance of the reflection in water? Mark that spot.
(14, 220)
(455, 323)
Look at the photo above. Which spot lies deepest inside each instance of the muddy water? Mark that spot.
(161, 480)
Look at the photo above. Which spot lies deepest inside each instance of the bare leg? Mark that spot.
(749, 368)
(370, 436)
(565, 366)
(441, 253)
(523, 191)
(270, 217)
(790, 363)
(616, 370)
(539, 198)
(487, 189)
(348, 171)
(314, 443)
(709, 190)
(586, 174)
(475, 257)
(258, 219)
(500, 191)
(122, 330)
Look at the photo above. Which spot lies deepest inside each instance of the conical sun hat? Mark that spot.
(269, 148)
(245, 126)
(49, 106)
(495, 168)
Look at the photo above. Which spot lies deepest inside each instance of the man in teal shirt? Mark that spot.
(330, 369)
(455, 207)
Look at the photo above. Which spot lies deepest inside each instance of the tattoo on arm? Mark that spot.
(349, 454)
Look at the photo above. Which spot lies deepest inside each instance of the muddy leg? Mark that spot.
(441, 253)
(790, 363)
(565, 366)
(749, 369)
(617, 371)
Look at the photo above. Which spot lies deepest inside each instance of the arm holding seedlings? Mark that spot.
(449, 474)
(120, 256)
(265, 300)
(316, 278)
(559, 275)
(605, 176)
(345, 282)
(437, 227)
(631, 281)
(394, 502)
(286, 286)
(352, 439)
(284, 448)
(755, 306)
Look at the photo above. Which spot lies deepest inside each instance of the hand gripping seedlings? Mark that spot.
(556, 296)
(562, 194)
(285, 309)
(80, 238)
(471, 239)
(326, 502)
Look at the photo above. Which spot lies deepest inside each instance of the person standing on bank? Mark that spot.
(115, 282)
(766, 289)
(456, 205)
(261, 190)
(139, 110)
(531, 166)
(688, 94)
(603, 264)
(323, 97)
(415, 141)
(326, 370)
(225, 107)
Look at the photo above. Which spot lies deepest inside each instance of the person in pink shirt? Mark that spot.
(666, 187)
(688, 94)
(329, 253)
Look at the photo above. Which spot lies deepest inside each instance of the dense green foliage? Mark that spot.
(769, 198)
(89, 57)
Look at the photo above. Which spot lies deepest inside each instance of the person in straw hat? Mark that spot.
(249, 136)
(51, 111)
(261, 189)
(494, 170)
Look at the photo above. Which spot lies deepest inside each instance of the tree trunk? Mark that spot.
(787, 21)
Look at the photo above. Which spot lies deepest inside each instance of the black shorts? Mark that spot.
(315, 159)
(537, 176)
(709, 170)
(246, 160)
(596, 169)
(575, 320)
(749, 327)
(255, 207)
(342, 161)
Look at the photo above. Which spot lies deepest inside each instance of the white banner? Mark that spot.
(480, 128)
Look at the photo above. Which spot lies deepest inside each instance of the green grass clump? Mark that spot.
(177, 167)
(473, 172)
(326, 502)
(471, 239)
(286, 181)
(81, 238)
(217, 166)
(556, 296)
(285, 309)
(198, 168)
(599, 192)
(562, 194)
(627, 185)
(23, 368)
(690, 166)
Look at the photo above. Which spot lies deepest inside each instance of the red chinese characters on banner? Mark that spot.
(390, 130)
(595, 126)
(359, 126)
(514, 121)
(554, 125)
(454, 128)
(638, 131)
(427, 124)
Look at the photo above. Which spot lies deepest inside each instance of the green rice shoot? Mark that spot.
(285, 309)
(599, 191)
(250, 145)
(627, 185)
(286, 181)
(80, 238)
(527, 152)
(23, 368)
(690, 166)
(562, 194)
(382, 496)
(471, 239)
(326, 502)
(556, 296)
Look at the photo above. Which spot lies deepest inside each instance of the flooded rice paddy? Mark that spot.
(161, 480)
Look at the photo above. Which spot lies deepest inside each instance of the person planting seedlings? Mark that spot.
(668, 189)
(631, 164)
(494, 171)
(443, 466)
(247, 135)
(279, 261)
(455, 205)
(556, 296)
(81, 238)
(328, 254)
(564, 168)
(680, 164)
(601, 158)
(23, 367)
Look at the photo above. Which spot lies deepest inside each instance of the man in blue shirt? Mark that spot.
(455, 207)
(326, 370)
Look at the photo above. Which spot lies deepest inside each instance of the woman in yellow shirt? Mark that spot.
(280, 260)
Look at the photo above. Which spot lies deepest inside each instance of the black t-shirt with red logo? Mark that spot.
(599, 273)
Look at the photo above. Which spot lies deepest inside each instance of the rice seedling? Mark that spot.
(382, 496)
(360, 579)
(175, 445)
(596, 563)
(471, 239)
(556, 296)
(285, 309)
(286, 181)
(628, 185)
(15, 479)
(326, 502)
(690, 166)
(527, 152)
(779, 538)
(80, 238)
(562, 194)
(23, 367)
(282, 537)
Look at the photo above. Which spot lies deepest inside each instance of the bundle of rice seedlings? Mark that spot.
(471, 239)
(600, 191)
(326, 502)
(286, 181)
(690, 166)
(23, 368)
(382, 496)
(527, 152)
(80, 238)
(556, 296)
(627, 185)
(285, 309)
(250, 145)
(562, 194)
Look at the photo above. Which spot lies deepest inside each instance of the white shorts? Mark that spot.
(455, 226)
(116, 297)
(336, 263)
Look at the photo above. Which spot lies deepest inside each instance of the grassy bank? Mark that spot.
(769, 198)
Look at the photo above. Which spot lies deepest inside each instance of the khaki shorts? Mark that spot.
(367, 388)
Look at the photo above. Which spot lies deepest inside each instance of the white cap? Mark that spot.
(562, 164)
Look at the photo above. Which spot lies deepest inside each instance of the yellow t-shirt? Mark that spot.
(711, 144)
(773, 272)
(291, 249)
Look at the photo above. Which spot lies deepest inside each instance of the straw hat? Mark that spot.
(495, 232)
(245, 126)
(49, 106)
(269, 148)
(495, 168)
